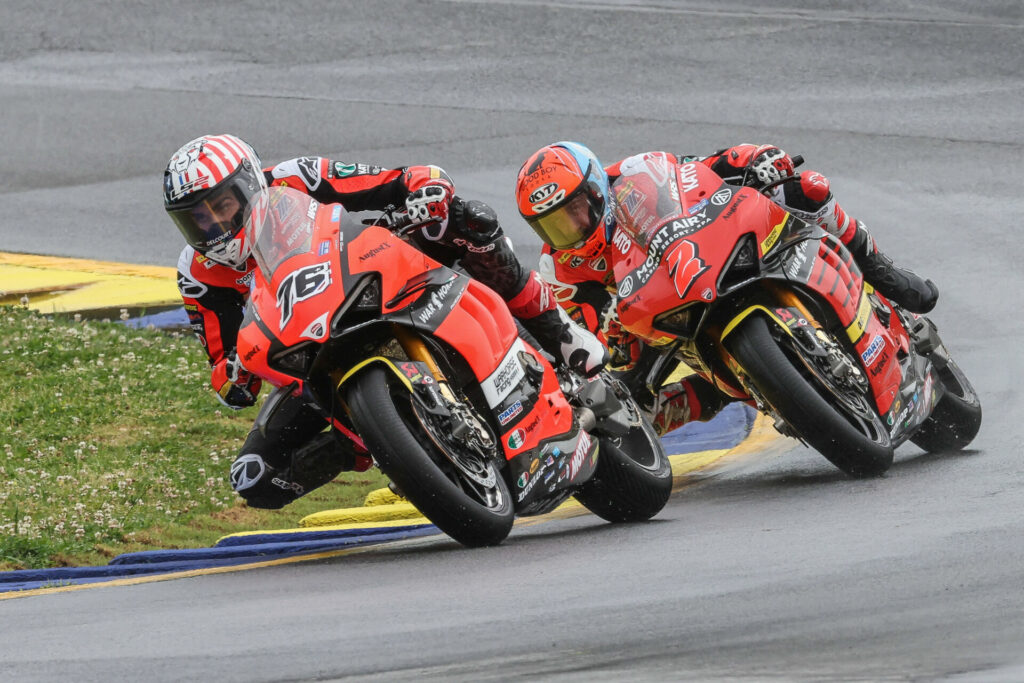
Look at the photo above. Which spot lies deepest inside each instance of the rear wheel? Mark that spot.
(837, 420)
(956, 418)
(633, 480)
(453, 485)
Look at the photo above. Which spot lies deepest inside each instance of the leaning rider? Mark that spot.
(207, 185)
(563, 193)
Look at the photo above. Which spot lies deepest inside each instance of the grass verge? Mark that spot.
(111, 441)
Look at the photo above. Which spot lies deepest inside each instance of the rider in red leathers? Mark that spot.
(207, 186)
(563, 193)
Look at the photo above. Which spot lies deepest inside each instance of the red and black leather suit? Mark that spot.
(295, 457)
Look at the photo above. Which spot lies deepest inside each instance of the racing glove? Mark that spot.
(432, 202)
(767, 164)
(235, 386)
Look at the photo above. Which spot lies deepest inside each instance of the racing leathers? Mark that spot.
(586, 287)
(294, 455)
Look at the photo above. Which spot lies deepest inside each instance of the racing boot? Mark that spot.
(324, 457)
(564, 339)
(904, 287)
(688, 400)
(809, 197)
(570, 343)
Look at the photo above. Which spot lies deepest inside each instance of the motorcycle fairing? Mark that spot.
(558, 466)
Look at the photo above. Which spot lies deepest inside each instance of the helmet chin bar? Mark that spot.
(234, 253)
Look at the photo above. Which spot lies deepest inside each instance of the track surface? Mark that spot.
(774, 566)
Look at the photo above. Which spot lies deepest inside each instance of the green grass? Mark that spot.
(111, 441)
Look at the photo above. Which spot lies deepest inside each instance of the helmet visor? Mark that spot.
(570, 225)
(216, 215)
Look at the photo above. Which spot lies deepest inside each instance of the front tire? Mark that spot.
(852, 437)
(475, 510)
(633, 480)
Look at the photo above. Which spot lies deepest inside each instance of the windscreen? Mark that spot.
(279, 224)
(646, 196)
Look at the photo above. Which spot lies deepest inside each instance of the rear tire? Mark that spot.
(381, 408)
(857, 442)
(633, 480)
(956, 418)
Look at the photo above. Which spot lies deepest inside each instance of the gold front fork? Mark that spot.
(418, 351)
(787, 297)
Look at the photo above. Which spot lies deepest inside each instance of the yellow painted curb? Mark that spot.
(384, 496)
(398, 523)
(64, 285)
(364, 515)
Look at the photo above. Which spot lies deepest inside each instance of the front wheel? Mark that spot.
(633, 480)
(458, 490)
(840, 423)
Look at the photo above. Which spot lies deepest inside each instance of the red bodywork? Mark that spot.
(313, 257)
(678, 230)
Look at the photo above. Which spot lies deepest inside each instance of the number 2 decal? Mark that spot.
(684, 265)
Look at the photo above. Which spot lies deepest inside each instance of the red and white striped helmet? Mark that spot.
(207, 186)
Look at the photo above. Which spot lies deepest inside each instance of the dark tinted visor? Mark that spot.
(215, 216)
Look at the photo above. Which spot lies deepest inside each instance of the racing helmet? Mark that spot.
(207, 186)
(562, 192)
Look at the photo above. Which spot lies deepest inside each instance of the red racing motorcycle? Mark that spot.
(425, 368)
(774, 311)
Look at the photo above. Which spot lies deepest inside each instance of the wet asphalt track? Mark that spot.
(773, 567)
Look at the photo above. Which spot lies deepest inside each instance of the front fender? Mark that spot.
(408, 371)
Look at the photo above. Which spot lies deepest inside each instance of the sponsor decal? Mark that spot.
(773, 236)
(688, 226)
(857, 328)
(722, 197)
(374, 251)
(872, 350)
(696, 207)
(516, 439)
(476, 249)
(251, 352)
(626, 287)
(579, 454)
(191, 308)
(542, 193)
(707, 294)
(797, 264)
(336, 213)
(688, 177)
(576, 262)
(410, 371)
(506, 377)
(311, 209)
(436, 302)
(523, 479)
(550, 202)
(317, 329)
(189, 287)
(246, 471)
(345, 170)
(621, 241)
(246, 280)
(534, 465)
(505, 416)
(306, 168)
(325, 247)
(882, 360)
(526, 490)
(735, 205)
(303, 284)
(547, 477)
(599, 265)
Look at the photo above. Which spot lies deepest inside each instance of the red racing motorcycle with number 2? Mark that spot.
(774, 311)
(425, 368)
